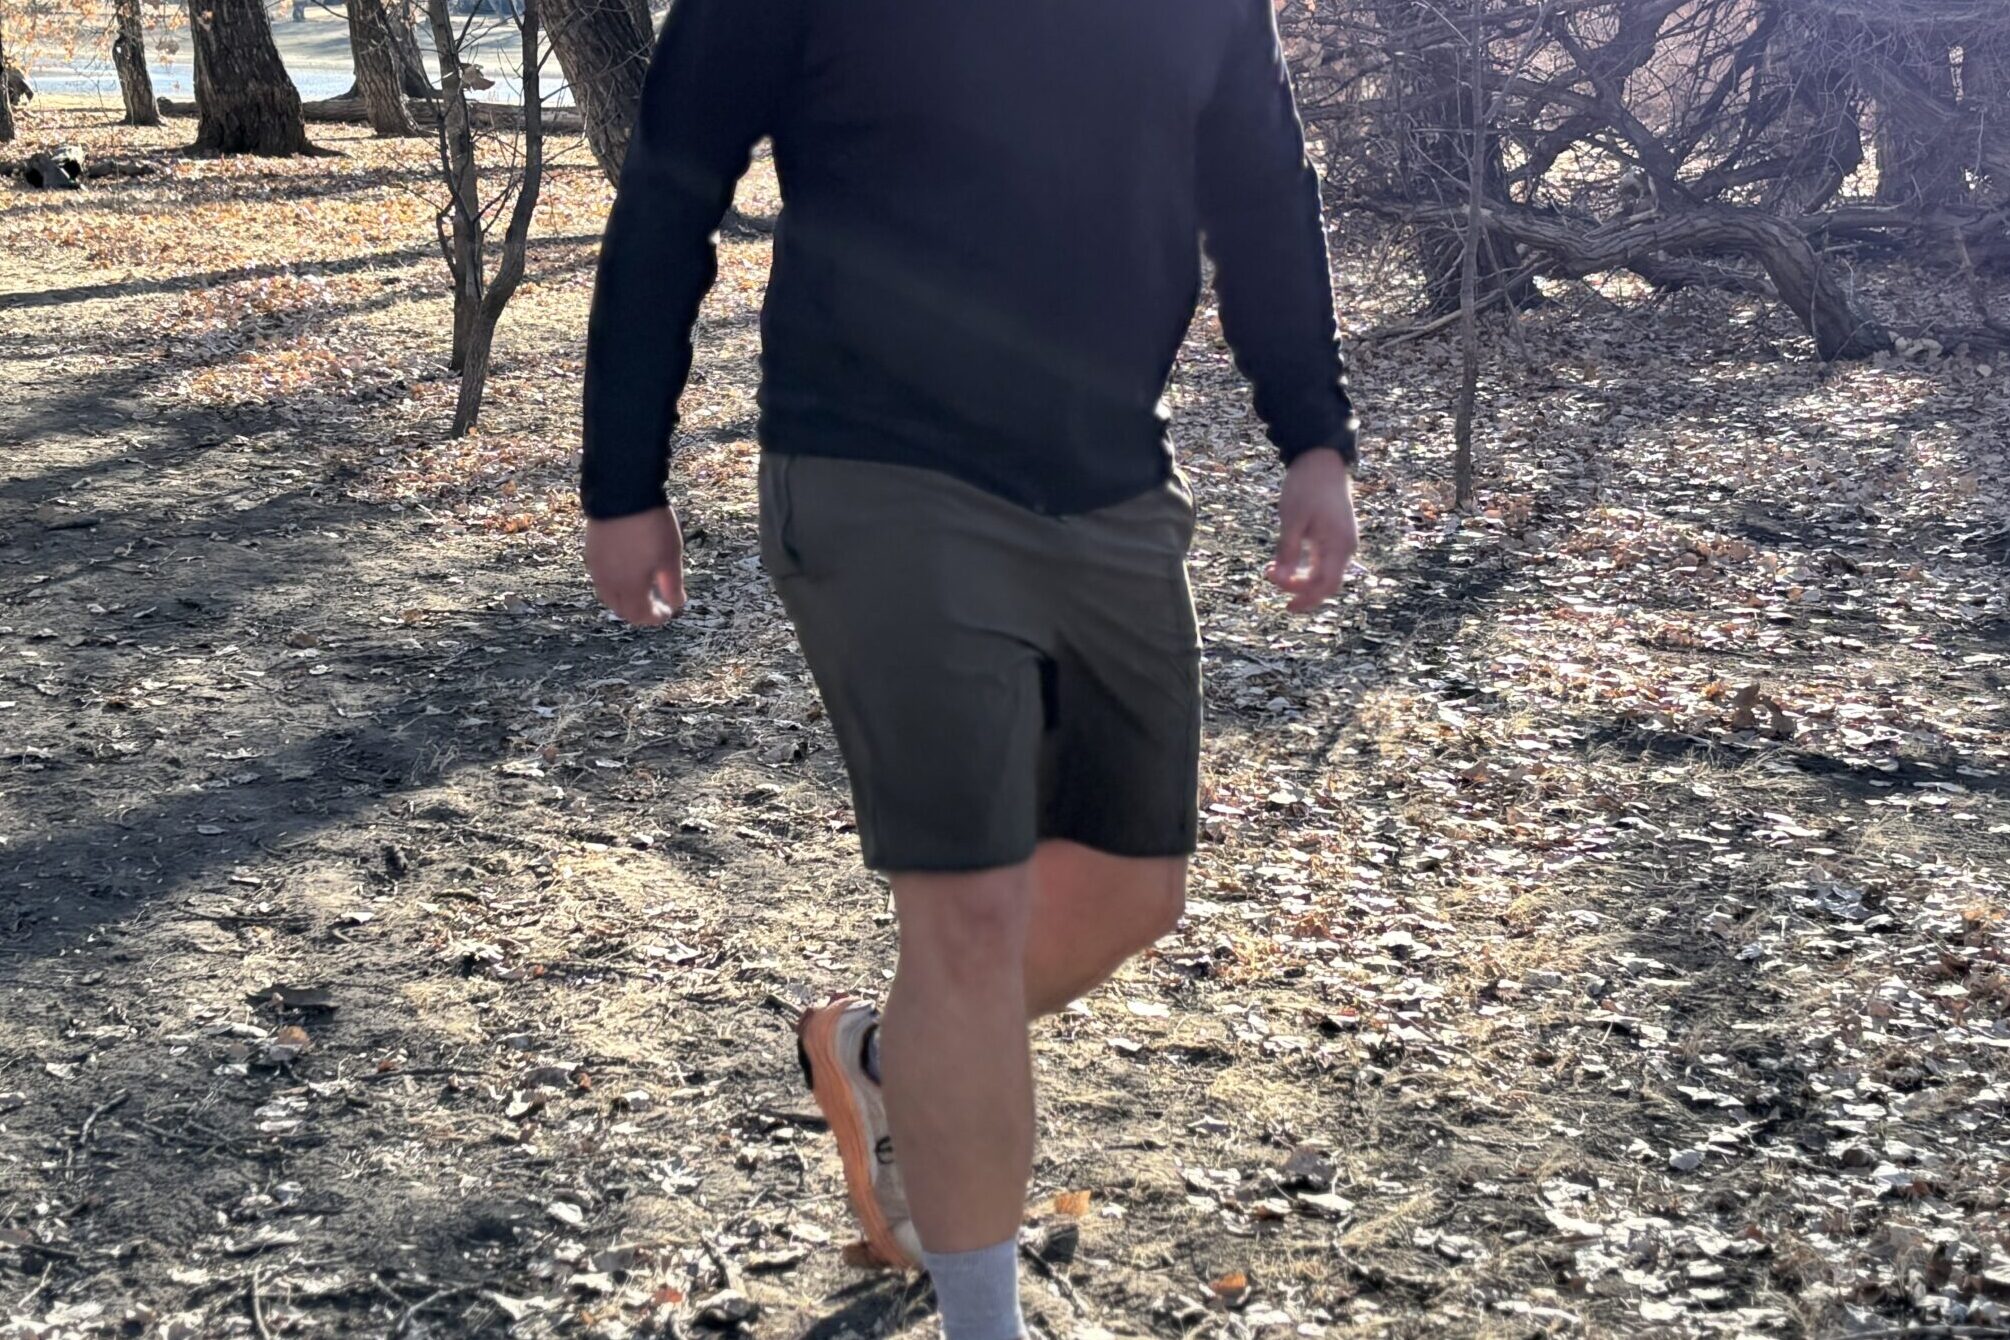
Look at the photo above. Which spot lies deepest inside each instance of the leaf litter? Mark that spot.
(1600, 921)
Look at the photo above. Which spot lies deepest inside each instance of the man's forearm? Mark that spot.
(718, 72)
(1260, 209)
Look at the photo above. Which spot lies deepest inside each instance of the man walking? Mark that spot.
(984, 267)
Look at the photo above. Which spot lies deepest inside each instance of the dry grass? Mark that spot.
(1449, 821)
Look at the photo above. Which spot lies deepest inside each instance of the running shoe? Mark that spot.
(832, 1043)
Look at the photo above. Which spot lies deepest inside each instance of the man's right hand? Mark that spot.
(637, 565)
(1317, 534)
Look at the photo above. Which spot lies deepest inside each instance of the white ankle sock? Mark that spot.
(978, 1292)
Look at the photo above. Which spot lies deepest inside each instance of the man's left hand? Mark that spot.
(1316, 532)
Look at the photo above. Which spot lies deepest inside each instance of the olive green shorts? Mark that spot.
(996, 676)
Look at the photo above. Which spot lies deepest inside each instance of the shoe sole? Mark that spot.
(817, 1035)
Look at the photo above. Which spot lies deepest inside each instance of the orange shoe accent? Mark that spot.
(817, 1031)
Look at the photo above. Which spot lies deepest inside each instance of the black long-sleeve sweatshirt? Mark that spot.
(986, 257)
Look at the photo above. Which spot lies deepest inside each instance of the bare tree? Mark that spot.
(1906, 59)
(129, 57)
(1692, 142)
(378, 78)
(466, 219)
(245, 103)
(1469, 263)
(6, 93)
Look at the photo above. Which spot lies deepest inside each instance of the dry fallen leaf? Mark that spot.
(1075, 1204)
(287, 1044)
(1742, 715)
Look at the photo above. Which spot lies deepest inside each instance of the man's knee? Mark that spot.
(965, 923)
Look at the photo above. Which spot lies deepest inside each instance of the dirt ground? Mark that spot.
(1599, 928)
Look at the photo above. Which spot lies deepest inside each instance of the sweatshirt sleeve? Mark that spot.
(1260, 214)
(714, 88)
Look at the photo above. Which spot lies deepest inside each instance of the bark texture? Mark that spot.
(478, 298)
(1920, 157)
(245, 102)
(377, 75)
(6, 93)
(603, 48)
(1816, 291)
(405, 42)
(129, 56)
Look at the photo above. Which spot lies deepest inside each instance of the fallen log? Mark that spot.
(1683, 250)
(1817, 295)
(60, 169)
(425, 111)
(37, 169)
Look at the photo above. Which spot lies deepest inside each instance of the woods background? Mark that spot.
(1601, 922)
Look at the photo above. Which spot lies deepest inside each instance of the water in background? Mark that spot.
(176, 79)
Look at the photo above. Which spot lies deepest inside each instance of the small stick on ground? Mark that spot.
(787, 1008)
(40, 1285)
(1935, 1331)
(84, 1132)
(178, 1137)
(1060, 1281)
(258, 1307)
(809, 1121)
(438, 1296)
(417, 1071)
(729, 1278)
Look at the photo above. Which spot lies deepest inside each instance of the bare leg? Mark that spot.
(1091, 912)
(957, 1078)
(980, 954)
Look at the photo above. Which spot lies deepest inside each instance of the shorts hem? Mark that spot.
(887, 863)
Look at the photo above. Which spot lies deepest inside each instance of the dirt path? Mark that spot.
(1599, 928)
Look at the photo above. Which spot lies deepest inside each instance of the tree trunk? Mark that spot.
(6, 98)
(479, 301)
(129, 55)
(377, 76)
(1919, 153)
(604, 51)
(349, 111)
(1825, 123)
(405, 43)
(1434, 112)
(1469, 271)
(405, 50)
(644, 20)
(1985, 97)
(516, 239)
(1800, 275)
(460, 226)
(245, 101)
